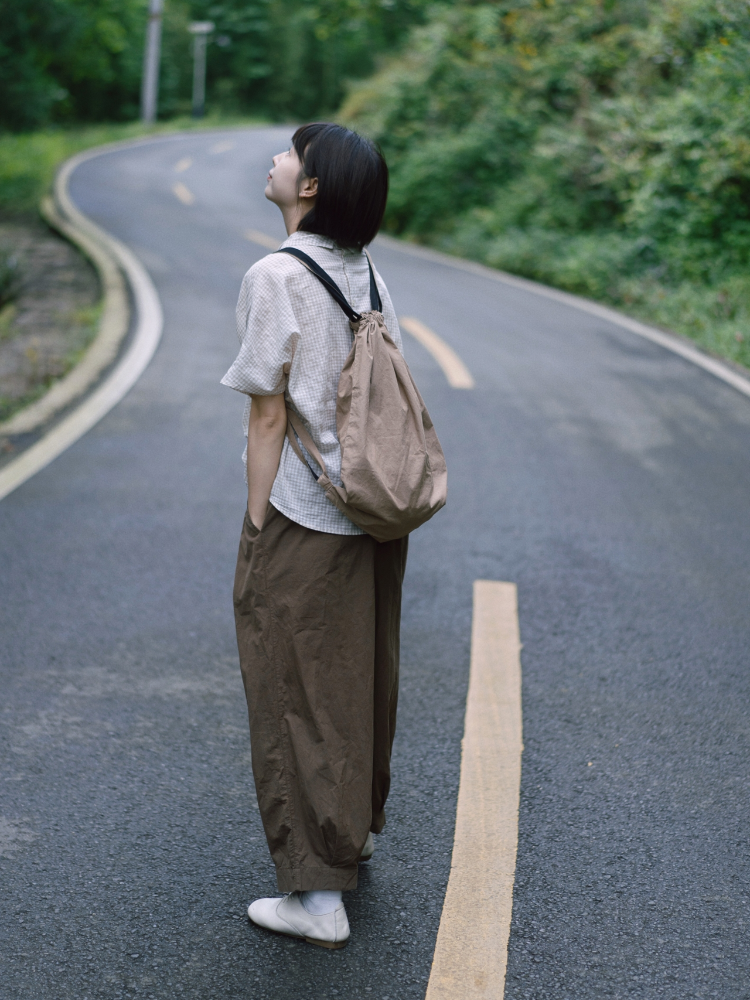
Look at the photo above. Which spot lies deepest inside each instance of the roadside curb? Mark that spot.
(670, 341)
(118, 264)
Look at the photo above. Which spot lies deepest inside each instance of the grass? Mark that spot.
(83, 322)
(10, 277)
(7, 315)
(716, 316)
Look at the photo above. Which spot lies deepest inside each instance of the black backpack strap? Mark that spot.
(324, 279)
(375, 302)
(331, 285)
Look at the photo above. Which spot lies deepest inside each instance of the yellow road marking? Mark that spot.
(262, 239)
(182, 165)
(455, 370)
(471, 952)
(185, 195)
(221, 147)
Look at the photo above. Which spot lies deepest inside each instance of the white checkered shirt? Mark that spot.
(295, 339)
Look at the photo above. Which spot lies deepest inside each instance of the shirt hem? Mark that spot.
(307, 523)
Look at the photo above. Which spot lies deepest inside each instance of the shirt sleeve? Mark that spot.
(267, 331)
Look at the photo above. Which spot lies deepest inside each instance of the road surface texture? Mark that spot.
(605, 476)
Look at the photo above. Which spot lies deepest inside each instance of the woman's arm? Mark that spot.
(265, 439)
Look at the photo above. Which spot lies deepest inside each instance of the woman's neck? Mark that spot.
(293, 216)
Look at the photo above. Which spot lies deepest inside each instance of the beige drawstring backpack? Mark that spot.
(392, 466)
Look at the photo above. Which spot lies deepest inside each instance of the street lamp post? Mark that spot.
(200, 31)
(150, 83)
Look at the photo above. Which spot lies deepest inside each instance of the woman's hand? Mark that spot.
(265, 439)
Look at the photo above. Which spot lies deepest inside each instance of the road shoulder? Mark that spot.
(118, 266)
(733, 375)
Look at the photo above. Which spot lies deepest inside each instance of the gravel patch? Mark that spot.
(53, 318)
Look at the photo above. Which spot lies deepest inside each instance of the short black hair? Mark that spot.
(352, 183)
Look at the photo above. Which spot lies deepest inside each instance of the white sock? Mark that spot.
(320, 901)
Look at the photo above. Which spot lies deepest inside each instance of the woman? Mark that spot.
(317, 601)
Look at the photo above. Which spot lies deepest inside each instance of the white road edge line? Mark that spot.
(454, 369)
(670, 342)
(471, 952)
(130, 368)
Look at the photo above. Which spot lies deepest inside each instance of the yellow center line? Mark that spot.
(221, 147)
(185, 195)
(471, 952)
(182, 165)
(262, 239)
(454, 369)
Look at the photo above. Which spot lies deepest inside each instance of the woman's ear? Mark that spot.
(308, 187)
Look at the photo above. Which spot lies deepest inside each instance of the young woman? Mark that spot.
(317, 601)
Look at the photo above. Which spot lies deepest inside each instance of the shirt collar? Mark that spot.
(302, 240)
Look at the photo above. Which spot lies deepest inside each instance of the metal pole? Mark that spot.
(199, 76)
(200, 31)
(150, 85)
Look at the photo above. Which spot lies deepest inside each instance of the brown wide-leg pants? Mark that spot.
(318, 619)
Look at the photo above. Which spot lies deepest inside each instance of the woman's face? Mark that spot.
(283, 178)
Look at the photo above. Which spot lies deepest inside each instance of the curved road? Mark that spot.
(605, 476)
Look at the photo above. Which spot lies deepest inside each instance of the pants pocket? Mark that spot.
(248, 526)
(243, 571)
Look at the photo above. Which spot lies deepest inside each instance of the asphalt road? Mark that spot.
(605, 476)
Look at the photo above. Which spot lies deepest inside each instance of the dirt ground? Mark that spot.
(44, 330)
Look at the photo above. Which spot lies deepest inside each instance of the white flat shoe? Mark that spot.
(287, 915)
(368, 850)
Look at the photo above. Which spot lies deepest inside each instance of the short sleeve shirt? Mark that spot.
(294, 338)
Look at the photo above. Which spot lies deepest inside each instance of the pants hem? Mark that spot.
(307, 879)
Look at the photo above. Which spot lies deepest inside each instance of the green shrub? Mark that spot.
(64, 61)
(10, 277)
(602, 146)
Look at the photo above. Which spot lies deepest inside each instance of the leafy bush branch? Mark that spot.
(602, 146)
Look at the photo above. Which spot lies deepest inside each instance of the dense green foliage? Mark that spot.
(71, 61)
(294, 57)
(599, 145)
(65, 61)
